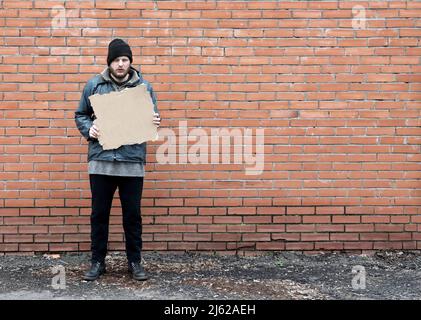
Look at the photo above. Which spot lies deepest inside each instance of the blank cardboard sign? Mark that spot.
(124, 117)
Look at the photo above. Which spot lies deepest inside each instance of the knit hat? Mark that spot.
(117, 48)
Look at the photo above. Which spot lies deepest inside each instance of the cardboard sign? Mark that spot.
(124, 117)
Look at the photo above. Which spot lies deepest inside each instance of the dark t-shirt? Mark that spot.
(120, 85)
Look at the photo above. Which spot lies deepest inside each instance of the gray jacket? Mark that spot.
(84, 117)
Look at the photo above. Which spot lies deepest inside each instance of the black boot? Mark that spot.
(137, 271)
(97, 268)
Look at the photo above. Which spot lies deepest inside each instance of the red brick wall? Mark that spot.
(338, 97)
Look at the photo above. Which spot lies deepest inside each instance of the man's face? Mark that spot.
(120, 67)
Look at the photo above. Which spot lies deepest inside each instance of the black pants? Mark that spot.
(130, 189)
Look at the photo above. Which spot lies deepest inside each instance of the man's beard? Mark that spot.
(119, 76)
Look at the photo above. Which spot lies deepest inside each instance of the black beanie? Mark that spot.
(118, 48)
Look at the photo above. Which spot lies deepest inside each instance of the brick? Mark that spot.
(12, 212)
(211, 246)
(299, 246)
(212, 211)
(197, 236)
(168, 236)
(182, 246)
(328, 246)
(9, 247)
(241, 228)
(344, 237)
(18, 238)
(8, 229)
(48, 238)
(301, 228)
(330, 210)
(33, 247)
(358, 245)
(242, 211)
(63, 247)
(315, 237)
(168, 220)
(300, 210)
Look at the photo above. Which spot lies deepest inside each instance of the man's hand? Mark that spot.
(94, 132)
(156, 119)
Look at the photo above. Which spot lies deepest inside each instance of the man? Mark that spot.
(109, 169)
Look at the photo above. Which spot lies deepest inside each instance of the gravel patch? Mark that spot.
(198, 276)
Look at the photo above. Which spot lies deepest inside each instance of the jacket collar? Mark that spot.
(136, 77)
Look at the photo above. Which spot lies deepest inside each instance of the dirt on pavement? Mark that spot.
(198, 276)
